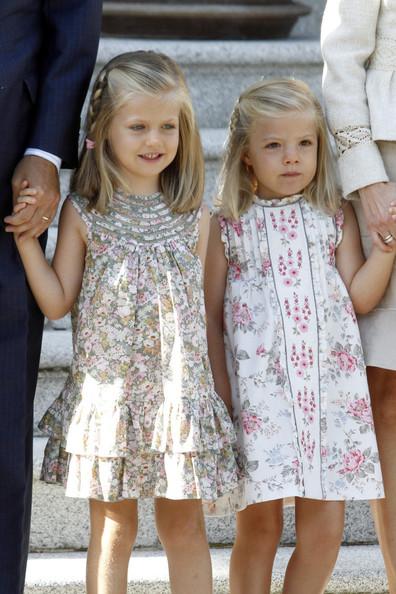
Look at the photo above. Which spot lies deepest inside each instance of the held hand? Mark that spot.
(376, 200)
(34, 218)
(26, 196)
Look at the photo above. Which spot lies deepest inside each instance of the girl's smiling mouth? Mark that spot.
(151, 156)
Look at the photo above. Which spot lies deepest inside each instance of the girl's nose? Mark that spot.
(153, 138)
(290, 156)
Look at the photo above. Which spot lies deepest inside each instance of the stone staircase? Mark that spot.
(210, 19)
(216, 73)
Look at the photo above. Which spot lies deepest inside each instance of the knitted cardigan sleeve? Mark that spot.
(348, 39)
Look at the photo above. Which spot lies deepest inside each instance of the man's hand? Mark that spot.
(34, 219)
(376, 202)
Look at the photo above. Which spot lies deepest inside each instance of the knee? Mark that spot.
(124, 534)
(181, 531)
(321, 540)
(264, 533)
(112, 528)
(261, 532)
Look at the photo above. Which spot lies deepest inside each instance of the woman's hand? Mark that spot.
(376, 201)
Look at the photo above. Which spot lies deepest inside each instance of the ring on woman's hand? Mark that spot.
(388, 238)
(46, 219)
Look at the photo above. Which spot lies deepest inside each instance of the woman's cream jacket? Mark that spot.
(359, 85)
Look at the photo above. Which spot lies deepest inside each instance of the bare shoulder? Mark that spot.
(214, 227)
(204, 220)
(70, 218)
(216, 241)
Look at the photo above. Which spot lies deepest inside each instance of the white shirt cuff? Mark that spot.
(57, 161)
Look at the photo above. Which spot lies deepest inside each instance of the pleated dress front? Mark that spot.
(138, 416)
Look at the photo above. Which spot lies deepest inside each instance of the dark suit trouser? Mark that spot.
(21, 325)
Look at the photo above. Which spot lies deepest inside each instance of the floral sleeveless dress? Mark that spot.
(138, 415)
(300, 395)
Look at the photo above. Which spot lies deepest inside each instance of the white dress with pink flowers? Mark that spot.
(300, 394)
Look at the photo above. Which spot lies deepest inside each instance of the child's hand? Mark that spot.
(25, 197)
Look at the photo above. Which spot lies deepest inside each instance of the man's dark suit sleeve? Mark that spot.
(70, 42)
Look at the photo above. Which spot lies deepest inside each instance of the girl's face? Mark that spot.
(282, 152)
(144, 137)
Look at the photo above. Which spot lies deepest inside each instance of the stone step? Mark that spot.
(204, 20)
(359, 570)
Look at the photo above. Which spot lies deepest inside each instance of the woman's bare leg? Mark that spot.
(113, 533)
(382, 384)
(181, 529)
(319, 529)
(259, 528)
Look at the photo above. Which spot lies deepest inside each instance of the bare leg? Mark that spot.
(319, 529)
(181, 529)
(382, 383)
(113, 533)
(259, 528)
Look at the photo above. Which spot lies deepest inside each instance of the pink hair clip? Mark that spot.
(90, 144)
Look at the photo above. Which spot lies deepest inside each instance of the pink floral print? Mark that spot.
(251, 422)
(299, 388)
(346, 361)
(353, 461)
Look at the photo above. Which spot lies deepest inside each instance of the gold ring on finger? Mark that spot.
(46, 219)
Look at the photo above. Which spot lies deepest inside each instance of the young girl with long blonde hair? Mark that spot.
(284, 275)
(138, 416)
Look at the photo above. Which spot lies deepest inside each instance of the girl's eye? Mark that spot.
(272, 145)
(136, 127)
(169, 126)
(306, 142)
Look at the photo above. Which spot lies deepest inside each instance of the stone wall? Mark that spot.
(309, 26)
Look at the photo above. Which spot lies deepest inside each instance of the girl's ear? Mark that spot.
(246, 159)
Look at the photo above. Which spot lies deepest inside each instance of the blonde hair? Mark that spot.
(140, 72)
(272, 99)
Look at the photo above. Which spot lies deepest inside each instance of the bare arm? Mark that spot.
(56, 286)
(366, 280)
(204, 225)
(215, 283)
